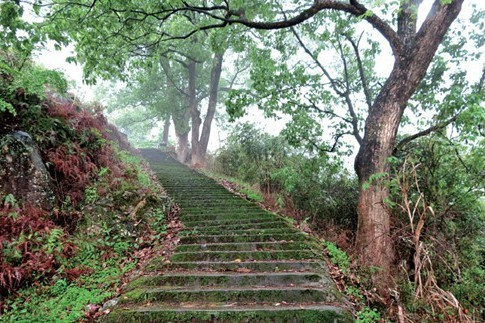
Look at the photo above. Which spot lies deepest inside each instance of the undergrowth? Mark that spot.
(59, 264)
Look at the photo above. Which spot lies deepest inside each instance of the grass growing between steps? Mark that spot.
(251, 193)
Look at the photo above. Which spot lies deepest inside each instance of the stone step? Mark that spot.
(160, 264)
(230, 313)
(222, 209)
(244, 255)
(237, 221)
(244, 246)
(287, 237)
(227, 216)
(195, 197)
(263, 295)
(224, 212)
(214, 229)
(256, 231)
(203, 279)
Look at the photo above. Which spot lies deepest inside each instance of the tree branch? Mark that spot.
(425, 132)
(363, 79)
(354, 8)
(333, 82)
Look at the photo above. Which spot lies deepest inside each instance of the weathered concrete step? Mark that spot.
(158, 264)
(200, 195)
(266, 295)
(213, 205)
(244, 255)
(218, 228)
(251, 231)
(242, 238)
(210, 200)
(203, 279)
(222, 209)
(206, 195)
(232, 313)
(227, 216)
(192, 185)
(233, 222)
(254, 246)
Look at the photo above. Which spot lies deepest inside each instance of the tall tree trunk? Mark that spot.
(413, 59)
(373, 234)
(166, 129)
(194, 111)
(182, 147)
(211, 108)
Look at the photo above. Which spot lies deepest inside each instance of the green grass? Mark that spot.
(66, 301)
(241, 186)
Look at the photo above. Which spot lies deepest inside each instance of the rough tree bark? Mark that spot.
(166, 129)
(194, 111)
(199, 154)
(413, 58)
(182, 147)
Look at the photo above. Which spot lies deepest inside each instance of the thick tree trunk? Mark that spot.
(194, 111)
(211, 108)
(199, 145)
(166, 129)
(373, 235)
(418, 49)
(182, 147)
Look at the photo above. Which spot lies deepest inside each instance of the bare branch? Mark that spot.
(363, 79)
(425, 132)
(344, 94)
(333, 82)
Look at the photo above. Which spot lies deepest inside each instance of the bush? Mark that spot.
(317, 185)
(96, 181)
(440, 238)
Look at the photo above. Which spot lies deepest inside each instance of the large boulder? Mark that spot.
(22, 172)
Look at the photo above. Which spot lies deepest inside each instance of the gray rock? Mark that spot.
(111, 303)
(22, 171)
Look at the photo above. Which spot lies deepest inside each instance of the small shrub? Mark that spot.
(368, 315)
(337, 256)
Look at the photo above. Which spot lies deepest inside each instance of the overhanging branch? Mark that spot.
(425, 132)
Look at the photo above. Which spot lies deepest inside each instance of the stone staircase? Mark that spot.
(235, 262)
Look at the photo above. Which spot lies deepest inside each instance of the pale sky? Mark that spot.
(53, 59)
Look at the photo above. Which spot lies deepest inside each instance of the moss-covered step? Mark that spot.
(262, 295)
(244, 255)
(242, 238)
(203, 279)
(211, 202)
(313, 313)
(250, 231)
(213, 219)
(160, 264)
(236, 221)
(209, 198)
(223, 209)
(244, 246)
(226, 216)
(217, 228)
